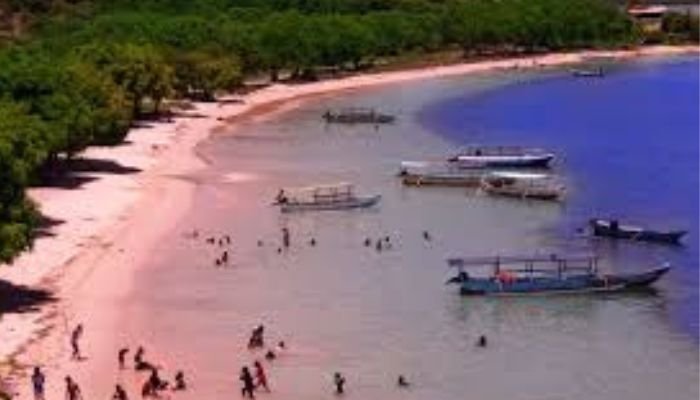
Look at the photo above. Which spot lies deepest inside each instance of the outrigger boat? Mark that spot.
(545, 274)
(430, 174)
(613, 229)
(523, 185)
(358, 116)
(502, 157)
(339, 196)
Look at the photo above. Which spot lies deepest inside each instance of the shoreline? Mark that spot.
(92, 260)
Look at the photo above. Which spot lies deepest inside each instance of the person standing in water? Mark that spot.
(38, 382)
(285, 237)
(74, 341)
(180, 381)
(248, 384)
(122, 357)
(119, 393)
(72, 390)
(339, 381)
(260, 377)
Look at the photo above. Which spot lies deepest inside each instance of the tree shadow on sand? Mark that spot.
(46, 225)
(22, 299)
(75, 173)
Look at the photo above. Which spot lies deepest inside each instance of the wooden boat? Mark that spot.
(358, 116)
(523, 186)
(438, 174)
(613, 229)
(502, 157)
(339, 196)
(588, 73)
(545, 274)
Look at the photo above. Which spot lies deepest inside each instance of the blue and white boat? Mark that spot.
(544, 274)
(502, 157)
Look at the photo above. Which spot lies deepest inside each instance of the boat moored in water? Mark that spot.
(502, 157)
(545, 274)
(439, 174)
(588, 72)
(339, 196)
(613, 229)
(358, 116)
(523, 185)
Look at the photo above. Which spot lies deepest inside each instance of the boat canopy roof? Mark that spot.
(530, 176)
(553, 258)
(500, 150)
(325, 188)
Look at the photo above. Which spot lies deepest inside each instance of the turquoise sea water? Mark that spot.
(343, 307)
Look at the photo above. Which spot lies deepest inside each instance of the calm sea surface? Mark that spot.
(629, 147)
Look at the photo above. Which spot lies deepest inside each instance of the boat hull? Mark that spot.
(520, 193)
(587, 283)
(505, 161)
(605, 229)
(359, 119)
(349, 204)
(448, 180)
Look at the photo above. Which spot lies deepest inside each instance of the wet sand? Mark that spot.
(113, 226)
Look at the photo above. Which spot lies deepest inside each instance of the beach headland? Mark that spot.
(107, 228)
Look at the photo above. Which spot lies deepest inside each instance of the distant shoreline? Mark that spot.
(109, 226)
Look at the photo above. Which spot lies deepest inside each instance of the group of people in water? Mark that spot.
(152, 387)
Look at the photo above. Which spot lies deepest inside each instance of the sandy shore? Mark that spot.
(109, 226)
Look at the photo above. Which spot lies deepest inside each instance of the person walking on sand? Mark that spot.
(248, 384)
(339, 381)
(38, 382)
(74, 341)
(119, 393)
(72, 390)
(260, 377)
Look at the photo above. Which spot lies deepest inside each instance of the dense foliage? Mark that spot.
(90, 67)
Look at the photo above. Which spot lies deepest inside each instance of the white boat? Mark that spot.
(416, 173)
(523, 185)
(339, 196)
(502, 157)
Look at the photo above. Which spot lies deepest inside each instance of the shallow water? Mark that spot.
(341, 306)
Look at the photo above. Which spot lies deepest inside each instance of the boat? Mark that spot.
(545, 274)
(358, 116)
(612, 228)
(340, 196)
(438, 174)
(588, 72)
(502, 157)
(523, 185)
